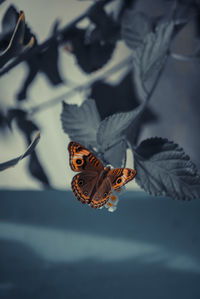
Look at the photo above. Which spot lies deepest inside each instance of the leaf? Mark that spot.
(46, 62)
(27, 127)
(108, 99)
(29, 150)
(37, 171)
(3, 120)
(149, 58)
(24, 124)
(163, 168)
(9, 22)
(134, 28)
(113, 129)
(90, 56)
(81, 123)
(94, 47)
(106, 28)
(16, 43)
(116, 155)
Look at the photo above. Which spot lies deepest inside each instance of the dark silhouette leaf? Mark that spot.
(37, 170)
(16, 43)
(27, 127)
(106, 29)
(3, 120)
(93, 48)
(46, 62)
(29, 151)
(9, 22)
(163, 168)
(90, 56)
(23, 123)
(116, 98)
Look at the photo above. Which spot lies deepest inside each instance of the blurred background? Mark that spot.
(174, 105)
(52, 148)
(51, 246)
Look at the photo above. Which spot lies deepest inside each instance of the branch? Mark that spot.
(57, 36)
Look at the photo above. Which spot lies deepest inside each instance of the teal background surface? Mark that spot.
(52, 246)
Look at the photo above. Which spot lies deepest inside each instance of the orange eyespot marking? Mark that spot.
(109, 204)
(119, 181)
(79, 162)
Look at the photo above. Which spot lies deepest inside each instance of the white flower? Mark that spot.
(111, 204)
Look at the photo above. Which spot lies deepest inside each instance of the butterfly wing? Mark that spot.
(82, 159)
(83, 184)
(102, 194)
(114, 180)
(120, 176)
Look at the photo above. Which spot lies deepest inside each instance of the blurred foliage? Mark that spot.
(112, 116)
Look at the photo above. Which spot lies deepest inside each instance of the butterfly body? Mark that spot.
(94, 183)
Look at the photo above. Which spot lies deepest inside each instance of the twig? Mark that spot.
(58, 36)
(124, 63)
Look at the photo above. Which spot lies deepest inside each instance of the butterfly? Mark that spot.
(94, 184)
